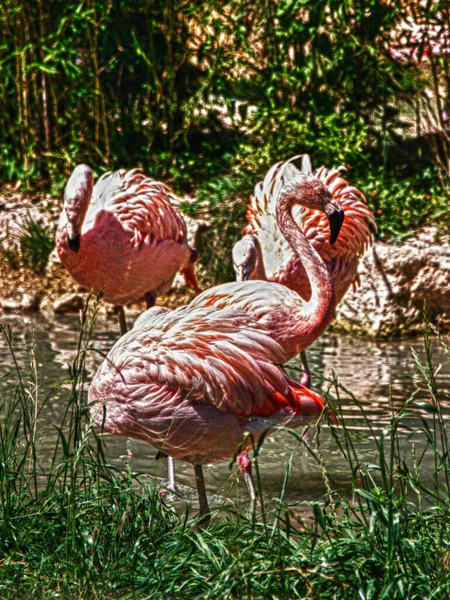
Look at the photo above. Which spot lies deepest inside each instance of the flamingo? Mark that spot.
(124, 236)
(198, 383)
(265, 253)
(292, 322)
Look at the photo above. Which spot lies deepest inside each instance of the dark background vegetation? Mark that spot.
(207, 95)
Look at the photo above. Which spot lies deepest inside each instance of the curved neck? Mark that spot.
(317, 313)
(259, 271)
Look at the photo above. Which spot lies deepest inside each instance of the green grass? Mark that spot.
(81, 528)
(36, 244)
(32, 244)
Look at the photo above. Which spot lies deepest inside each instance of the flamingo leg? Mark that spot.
(171, 474)
(306, 375)
(170, 484)
(201, 490)
(122, 320)
(150, 299)
(245, 466)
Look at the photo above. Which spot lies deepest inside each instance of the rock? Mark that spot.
(45, 305)
(68, 303)
(30, 302)
(10, 305)
(53, 262)
(396, 282)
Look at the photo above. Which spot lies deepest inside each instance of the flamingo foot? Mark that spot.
(245, 465)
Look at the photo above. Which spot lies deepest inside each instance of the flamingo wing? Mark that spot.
(223, 358)
(354, 238)
(256, 298)
(142, 204)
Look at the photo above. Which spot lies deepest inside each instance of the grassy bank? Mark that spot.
(77, 527)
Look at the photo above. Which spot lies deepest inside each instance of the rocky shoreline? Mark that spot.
(397, 280)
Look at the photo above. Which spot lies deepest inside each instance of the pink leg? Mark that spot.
(306, 377)
(245, 465)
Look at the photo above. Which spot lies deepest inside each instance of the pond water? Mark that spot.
(373, 371)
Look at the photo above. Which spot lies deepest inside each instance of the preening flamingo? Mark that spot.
(265, 252)
(123, 235)
(194, 382)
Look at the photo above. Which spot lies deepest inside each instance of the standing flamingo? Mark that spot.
(265, 253)
(124, 236)
(292, 322)
(198, 383)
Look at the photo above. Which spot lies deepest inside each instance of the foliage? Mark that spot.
(337, 139)
(36, 244)
(170, 86)
(81, 528)
(403, 204)
(422, 44)
(222, 204)
(30, 244)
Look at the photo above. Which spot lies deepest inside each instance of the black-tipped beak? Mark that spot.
(336, 219)
(74, 243)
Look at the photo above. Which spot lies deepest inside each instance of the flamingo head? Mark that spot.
(77, 196)
(310, 192)
(245, 256)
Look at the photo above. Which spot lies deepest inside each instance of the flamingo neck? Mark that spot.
(316, 314)
(259, 271)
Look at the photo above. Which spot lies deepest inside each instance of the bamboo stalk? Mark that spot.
(44, 91)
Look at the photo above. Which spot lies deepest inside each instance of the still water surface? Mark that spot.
(372, 371)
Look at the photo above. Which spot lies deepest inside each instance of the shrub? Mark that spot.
(402, 205)
(30, 245)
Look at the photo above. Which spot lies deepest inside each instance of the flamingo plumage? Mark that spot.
(293, 322)
(196, 383)
(123, 236)
(265, 253)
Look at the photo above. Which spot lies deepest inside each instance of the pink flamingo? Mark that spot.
(265, 253)
(198, 384)
(124, 236)
(293, 322)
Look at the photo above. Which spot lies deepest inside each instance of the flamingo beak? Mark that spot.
(74, 243)
(336, 219)
(241, 273)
